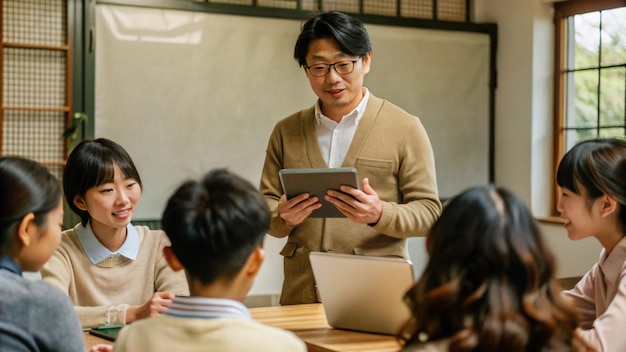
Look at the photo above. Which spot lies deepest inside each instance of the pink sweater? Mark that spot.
(600, 297)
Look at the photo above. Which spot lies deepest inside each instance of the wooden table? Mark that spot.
(91, 340)
(308, 321)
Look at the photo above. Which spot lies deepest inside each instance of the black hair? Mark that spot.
(599, 167)
(349, 33)
(92, 163)
(215, 223)
(27, 187)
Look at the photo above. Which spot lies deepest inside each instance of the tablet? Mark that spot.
(108, 332)
(316, 182)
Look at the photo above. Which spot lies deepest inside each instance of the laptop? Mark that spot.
(363, 293)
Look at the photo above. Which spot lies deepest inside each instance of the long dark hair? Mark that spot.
(27, 187)
(490, 281)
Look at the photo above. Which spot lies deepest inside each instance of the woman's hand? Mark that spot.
(154, 306)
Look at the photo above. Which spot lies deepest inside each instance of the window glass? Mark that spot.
(612, 93)
(594, 76)
(613, 37)
(582, 99)
(586, 30)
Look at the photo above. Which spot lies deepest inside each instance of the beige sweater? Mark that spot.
(102, 293)
(168, 333)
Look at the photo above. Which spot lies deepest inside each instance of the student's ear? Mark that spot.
(172, 259)
(608, 205)
(255, 260)
(26, 230)
(79, 202)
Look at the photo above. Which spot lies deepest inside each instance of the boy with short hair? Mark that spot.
(216, 226)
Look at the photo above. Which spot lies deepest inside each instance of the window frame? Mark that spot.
(563, 10)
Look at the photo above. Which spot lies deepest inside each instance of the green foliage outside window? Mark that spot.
(596, 76)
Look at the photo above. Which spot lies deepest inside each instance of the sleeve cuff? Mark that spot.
(116, 315)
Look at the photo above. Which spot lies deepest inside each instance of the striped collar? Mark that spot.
(207, 308)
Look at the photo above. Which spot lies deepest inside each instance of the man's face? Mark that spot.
(338, 93)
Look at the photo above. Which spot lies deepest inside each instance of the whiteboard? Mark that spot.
(185, 92)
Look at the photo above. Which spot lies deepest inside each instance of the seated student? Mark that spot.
(114, 272)
(592, 177)
(34, 316)
(489, 284)
(216, 226)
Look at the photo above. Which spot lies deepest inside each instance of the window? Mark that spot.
(40, 88)
(35, 95)
(590, 87)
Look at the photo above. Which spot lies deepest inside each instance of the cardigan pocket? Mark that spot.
(383, 165)
(382, 174)
(289, 249)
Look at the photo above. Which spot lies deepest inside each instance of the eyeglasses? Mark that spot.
(341, 67)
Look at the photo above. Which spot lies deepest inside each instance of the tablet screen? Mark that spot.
(108, 332)
(316, 182)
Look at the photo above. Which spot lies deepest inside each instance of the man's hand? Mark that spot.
(295, 210)
(361, 206)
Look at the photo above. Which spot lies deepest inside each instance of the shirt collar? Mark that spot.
(207, 308)
(357, 112)
(612, 264)
(96, 252)
(7, 263)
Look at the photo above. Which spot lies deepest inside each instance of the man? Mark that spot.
(347, 127)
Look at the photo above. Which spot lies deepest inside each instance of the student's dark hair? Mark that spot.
(349, 32)
(27, 187)
(215, 223)
(599, 167)
(490, 284)
(92, 163)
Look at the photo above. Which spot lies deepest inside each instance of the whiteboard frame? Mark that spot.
(88, 56)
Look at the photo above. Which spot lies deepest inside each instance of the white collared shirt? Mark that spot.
(335, 138)
(96, 252)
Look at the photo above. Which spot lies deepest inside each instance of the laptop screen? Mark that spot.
(363, 293)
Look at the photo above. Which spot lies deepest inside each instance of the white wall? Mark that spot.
(574, 258)
(523, 133)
